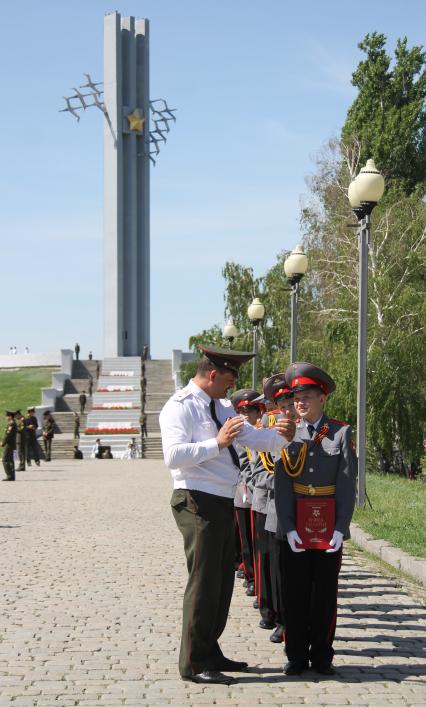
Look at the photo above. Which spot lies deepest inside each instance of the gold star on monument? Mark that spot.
(136, 121)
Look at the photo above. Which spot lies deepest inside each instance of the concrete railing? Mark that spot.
(178, 358)
(49, 395)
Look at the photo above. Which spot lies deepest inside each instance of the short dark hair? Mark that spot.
(205, 366)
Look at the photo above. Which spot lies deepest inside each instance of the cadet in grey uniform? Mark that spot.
(198, 427)
(245, 402)
(319, 463)
(276, 389)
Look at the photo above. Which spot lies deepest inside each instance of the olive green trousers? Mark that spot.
(207, 524)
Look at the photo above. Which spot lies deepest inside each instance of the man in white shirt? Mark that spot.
(198, 427)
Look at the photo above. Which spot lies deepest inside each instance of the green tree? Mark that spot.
(388, 116)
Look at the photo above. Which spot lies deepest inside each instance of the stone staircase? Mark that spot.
(63, 441)
(119, 386)
(160, 386)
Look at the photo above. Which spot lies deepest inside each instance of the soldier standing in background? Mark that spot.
(31, 425)
(48, 434)
(77, 351)
(20, 439)
(9, 445)
(82, 400)
(76, 426)
(90, 385)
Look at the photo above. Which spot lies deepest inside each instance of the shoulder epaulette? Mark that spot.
(181, 394)
(338, 422)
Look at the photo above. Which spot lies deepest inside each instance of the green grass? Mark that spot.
(21, 388)
(399, 512)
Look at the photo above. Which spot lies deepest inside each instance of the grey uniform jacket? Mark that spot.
(243, 494)
(263, 467)
(330, 462)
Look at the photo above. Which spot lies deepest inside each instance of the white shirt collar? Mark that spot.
(315, 424)
(199, 392)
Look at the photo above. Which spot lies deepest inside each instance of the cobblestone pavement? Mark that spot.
(92, 576)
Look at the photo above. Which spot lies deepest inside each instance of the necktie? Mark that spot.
(311, 430)
(231, 449)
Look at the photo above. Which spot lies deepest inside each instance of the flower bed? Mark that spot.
(111, 431)
(115, 406)
(116, 389)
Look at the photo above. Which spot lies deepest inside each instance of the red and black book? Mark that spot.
(315, 522)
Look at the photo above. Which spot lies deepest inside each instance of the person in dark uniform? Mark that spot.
(82, 399)
(77, 351)
(31, 425)
(9, 446)
(90, 385)
(144, 420)
(20, 439)
(198, 427)
(76, 422)
(320, 462)
(78, 454)
(246, 403)
(90, 355)
(276, 389)
(48, 434)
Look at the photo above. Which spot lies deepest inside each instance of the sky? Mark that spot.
(259, 88)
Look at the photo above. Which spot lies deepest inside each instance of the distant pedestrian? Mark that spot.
(76, 425)
(20, 439)
(9, 446)
(10, 350)
(48, 434)
(90, 385)
(77, 351)
(90, 355)
(26, 350)
(145, 352)
(82, 400)
(144, 420)
(78, 454)
(95, 449)
(31, 424)
(98, 369)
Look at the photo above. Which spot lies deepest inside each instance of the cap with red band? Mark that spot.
(246, 397)
(276, 387)
(302, 376)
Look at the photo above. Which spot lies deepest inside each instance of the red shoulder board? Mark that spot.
(338, 422)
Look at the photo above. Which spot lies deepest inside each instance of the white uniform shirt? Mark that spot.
(189, 442)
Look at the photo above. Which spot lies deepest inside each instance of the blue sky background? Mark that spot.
(259, 88)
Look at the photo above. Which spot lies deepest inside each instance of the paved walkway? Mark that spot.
(92, 574)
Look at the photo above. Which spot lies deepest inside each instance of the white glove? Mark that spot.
(336, 541)
(293, 538)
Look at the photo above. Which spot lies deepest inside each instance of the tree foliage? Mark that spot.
(387, 121)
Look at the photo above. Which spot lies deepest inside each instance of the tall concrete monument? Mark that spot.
(130, 145)
(126, 186)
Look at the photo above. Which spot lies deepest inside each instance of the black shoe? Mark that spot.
(250, 589)
(266, 623)
(293, 667)
(28, 463)
(20, 468)
(278, 635)
(325, 669)
(211, 677)
(8, 479)
(255, 604)
(232, 666)
(38, 463)
(240, 574)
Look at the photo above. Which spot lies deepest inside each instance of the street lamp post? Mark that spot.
(364, 192)
(256, 312)
(230, 331)
(295, 267)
